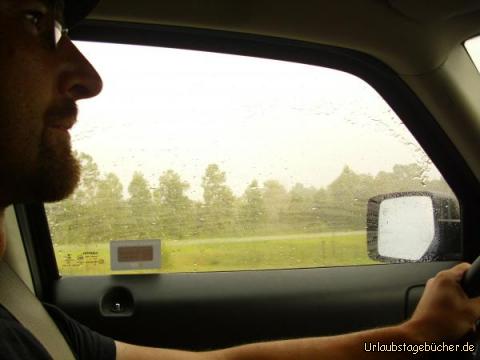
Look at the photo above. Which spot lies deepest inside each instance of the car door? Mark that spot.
(204, 309)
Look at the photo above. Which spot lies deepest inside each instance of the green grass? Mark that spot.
(226, 254)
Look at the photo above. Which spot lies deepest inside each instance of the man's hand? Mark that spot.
(444, 313)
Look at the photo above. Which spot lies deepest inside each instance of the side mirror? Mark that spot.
(413, 226)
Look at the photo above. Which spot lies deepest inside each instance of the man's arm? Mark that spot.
(350, 346)
(444, 313)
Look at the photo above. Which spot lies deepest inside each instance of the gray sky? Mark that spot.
(258, 119)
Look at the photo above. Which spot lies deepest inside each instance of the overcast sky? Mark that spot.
(258, 119)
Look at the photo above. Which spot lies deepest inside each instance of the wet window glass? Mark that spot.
(194, 161)
(473, 48)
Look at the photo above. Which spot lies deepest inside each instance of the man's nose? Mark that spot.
(78, 79)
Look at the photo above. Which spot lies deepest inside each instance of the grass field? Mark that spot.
(226, 254)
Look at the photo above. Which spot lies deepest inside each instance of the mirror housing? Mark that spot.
(413, 226)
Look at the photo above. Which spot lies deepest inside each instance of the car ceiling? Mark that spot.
(411, 36)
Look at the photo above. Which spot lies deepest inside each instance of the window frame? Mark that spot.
(384, 80)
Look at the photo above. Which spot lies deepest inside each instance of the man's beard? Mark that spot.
(57, 175)
(58, 171)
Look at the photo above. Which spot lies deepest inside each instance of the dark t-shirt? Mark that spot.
(16, 342)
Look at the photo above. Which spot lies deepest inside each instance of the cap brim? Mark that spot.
(76, 10)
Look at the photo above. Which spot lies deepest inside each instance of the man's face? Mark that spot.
(39, 85)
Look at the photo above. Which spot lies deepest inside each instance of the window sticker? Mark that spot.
(135, 254)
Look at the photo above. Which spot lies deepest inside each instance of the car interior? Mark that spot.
(412, 53)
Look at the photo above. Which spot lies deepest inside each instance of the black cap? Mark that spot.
(76, 10)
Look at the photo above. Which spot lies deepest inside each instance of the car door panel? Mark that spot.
(212, 310)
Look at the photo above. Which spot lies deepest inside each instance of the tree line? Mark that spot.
(98, 212)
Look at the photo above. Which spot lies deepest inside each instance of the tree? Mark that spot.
(139, 190)
(349, 194)
(252, 208)
(111, 208)
(110, 190)
(87, 187)
(321, 209)
(300, 208)
(218, 211)
(275, 198)
(174, 207)
(72, 220)
(439, 186)
(141, 211)
(404, 177)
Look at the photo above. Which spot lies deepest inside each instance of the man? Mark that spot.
(42, 75)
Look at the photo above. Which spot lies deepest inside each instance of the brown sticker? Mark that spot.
(135, 253)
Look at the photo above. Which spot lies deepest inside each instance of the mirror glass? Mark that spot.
(405, 227)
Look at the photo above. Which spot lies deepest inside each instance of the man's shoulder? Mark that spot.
(19, 343)
(16, 342)
(85, 343)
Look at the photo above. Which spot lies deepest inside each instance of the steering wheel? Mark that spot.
(471, 279)
(471, 286)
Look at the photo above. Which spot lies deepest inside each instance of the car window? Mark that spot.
(195, 161)
(473, 48)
